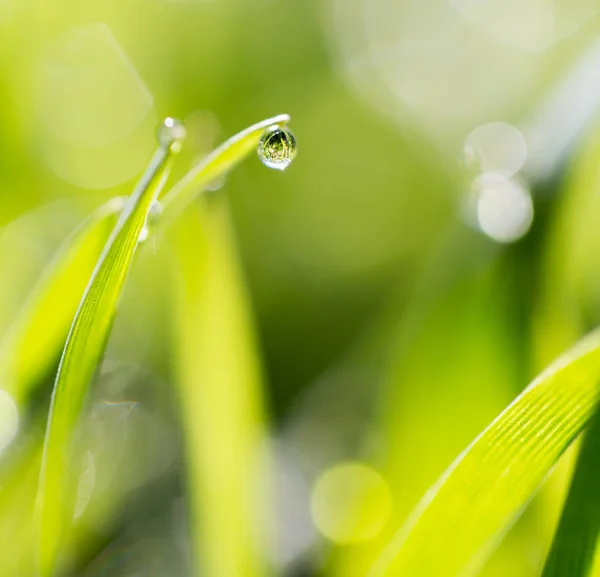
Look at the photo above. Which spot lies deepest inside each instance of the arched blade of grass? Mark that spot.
(574, 545)
(220, 387)
(92, 324)
(28, 350)
(466, 513)
(83, 351)
(215, 165)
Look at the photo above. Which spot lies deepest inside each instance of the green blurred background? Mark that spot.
(431, 249)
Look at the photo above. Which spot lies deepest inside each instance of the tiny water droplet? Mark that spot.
(152, 221)
(277, 148)
(216, 184)
(171, 134)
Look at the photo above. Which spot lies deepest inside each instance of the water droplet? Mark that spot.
(9, 419)
(154, 215)
(277, 148)
(171, 134)
(216, 184)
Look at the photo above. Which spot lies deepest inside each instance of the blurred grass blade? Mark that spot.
(463, 517)
(83, 351)
(461, 316)
(574, 545)
(214, 166)
(219, 374)
(221, 396)
(19, 478)
(27, 352)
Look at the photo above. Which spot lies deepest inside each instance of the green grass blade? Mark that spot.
(220, 387)
(465, 514)
(214, 166)
(83, 351)
(26, 352)
(574, 545)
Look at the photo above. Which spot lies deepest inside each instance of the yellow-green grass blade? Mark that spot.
(26, 352)
(83, 351)
(219, 375)
(465, 514)
(215, 165)
(220, 386)
(574, 545)
(19, 477)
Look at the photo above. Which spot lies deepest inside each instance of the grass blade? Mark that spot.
(461, 317)
(574, 545)
(215, 165)
(83, 351)
(464, 515)
(221, 400)
(27, 352)
(221, 396)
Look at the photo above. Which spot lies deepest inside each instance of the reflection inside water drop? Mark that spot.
(171, 134)
(277, 148)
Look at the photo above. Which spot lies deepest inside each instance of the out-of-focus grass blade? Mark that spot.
(83, 351)
(462, 316)
(463, 517)
(221, 393)
(215, 165)
(26, 351)
(221, 396)
(574, 544)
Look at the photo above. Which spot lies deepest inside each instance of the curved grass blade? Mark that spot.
(26, 352)
(574, 545)
(215, 165)
(221, 399)
(465, 514)
(84, 348)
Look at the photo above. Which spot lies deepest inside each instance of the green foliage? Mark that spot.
(221, 392)
(574, 545)
(26, 351)
(461, 519)
(82, 354)
(91, 327)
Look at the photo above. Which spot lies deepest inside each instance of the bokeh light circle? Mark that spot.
(504, 207)
(350, 503)
(496, 147)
